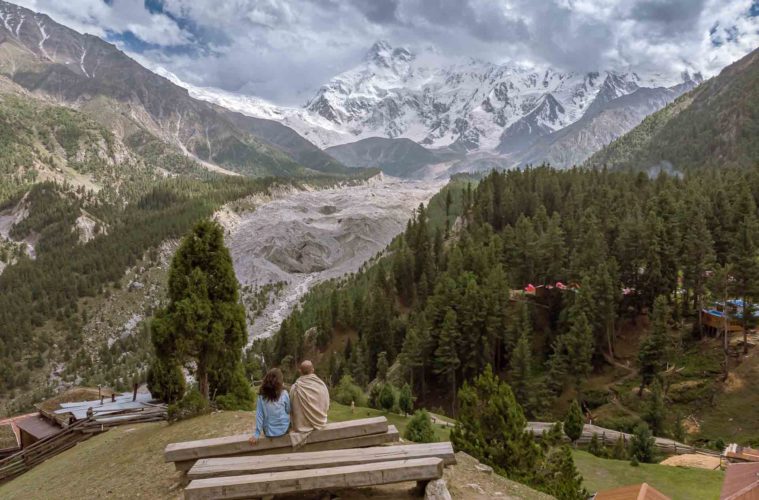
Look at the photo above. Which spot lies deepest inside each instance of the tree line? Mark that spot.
(444, 300)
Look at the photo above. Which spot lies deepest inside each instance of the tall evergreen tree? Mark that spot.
(204, 321)
(579, 346)
(447, 360)
(652, 355)
(655, 412)
(491, 427)
(744, 257)
(574, 422)
(698, 255)
(520, 373)
(560, 477)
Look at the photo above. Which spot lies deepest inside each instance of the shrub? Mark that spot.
(558, 475)
(348, 391)
(406, 400)
(642, 444)
(596, 447)
(387, 397)
(193, 404)
(619, 452)
(554, 435)
(593, 398)
(419, 428)
(573, 422)
(623, 423)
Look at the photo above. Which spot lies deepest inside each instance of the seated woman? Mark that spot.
(272, 407)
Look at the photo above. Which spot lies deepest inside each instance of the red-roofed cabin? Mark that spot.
(643, 491)
(741, 482)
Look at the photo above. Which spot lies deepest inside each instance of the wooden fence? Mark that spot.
(609, 437)
(71, 435)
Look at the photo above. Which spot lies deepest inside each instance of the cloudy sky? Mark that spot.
(284, 49)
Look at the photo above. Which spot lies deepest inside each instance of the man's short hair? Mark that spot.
(306, 368)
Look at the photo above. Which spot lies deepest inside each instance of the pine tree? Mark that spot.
(655, 413)
(574, 422)
(579, 346)
(446, 360)
(492, 428)
(743, 257)
(382, 366)
(560, 477)
(406, 400)
(386, 398)
(619, 452)
(719, 284)
(558, 367)
(608, 297)
(555, 435)
(520, 374)
(652, 354)
(358, 365)
(642, 444)
(698, 255)
(204, 320)
(595, 447)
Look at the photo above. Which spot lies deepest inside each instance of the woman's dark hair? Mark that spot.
(272, 385)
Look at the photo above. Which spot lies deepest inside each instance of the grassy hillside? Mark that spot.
(676, 482)
(714, 125)
(97, 78)
(127, 462)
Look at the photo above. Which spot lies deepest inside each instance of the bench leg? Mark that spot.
(421, 486)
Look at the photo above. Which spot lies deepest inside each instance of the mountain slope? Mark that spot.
(598, 127)
(94, 76)
(286, 139)
(716, 124)
(42, 140)
(398, 157)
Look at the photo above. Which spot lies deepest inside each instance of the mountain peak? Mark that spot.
(380, 49)
(383, 54)
(695, 79)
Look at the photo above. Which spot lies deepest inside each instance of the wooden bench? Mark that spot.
(338, 435)
(238, 466)
(349, 476)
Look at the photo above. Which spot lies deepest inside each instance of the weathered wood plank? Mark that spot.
(351, 476)
(232, 445)
(391, 436)
(237, 466)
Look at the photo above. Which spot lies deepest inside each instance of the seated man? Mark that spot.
(309, 400)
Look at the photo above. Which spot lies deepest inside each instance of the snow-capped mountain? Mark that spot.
(437, 101)
(467, 104)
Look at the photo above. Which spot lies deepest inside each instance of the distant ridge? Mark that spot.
(714, 125)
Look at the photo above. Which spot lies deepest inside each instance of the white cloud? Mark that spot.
(284, 49)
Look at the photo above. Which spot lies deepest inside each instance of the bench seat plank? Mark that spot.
(232, 445)
(236, 466)
(391, 436)
(351, 476)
